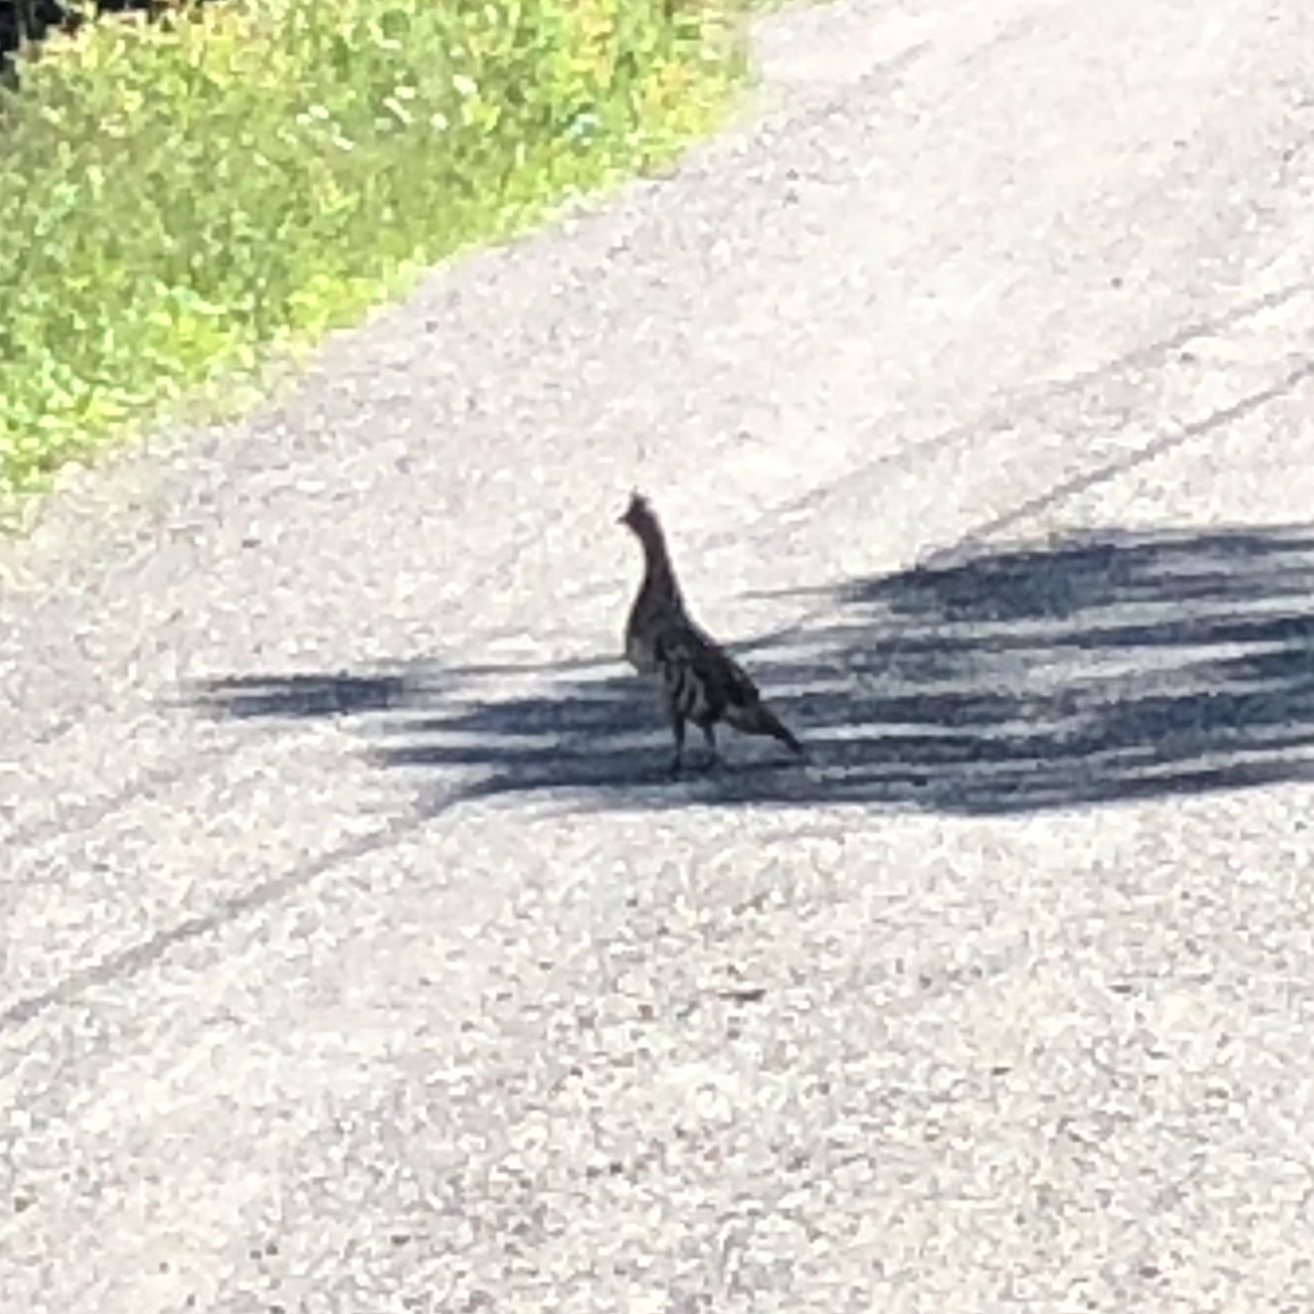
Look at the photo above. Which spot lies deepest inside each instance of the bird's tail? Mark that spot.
(759, 719)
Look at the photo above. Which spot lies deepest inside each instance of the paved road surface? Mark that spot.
(356, 957)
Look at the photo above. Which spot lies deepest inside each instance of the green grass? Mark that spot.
(182, 202)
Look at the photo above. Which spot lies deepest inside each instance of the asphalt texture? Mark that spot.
(357, 954)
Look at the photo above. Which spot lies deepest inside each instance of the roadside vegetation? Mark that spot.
(183, 200)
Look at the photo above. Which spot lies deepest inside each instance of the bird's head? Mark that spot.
(638, 516)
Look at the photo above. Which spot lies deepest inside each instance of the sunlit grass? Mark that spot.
(176, 199)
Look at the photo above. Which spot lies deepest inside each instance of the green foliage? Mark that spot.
(177, 198)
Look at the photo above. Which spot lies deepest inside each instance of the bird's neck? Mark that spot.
(658, 573)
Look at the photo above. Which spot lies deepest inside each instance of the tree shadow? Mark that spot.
(1090, 670)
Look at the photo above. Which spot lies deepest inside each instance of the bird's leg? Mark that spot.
(709, 738)
(677, 730)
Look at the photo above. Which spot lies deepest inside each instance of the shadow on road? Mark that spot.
(1085, 671)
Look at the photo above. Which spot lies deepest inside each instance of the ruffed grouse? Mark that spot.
(700, 681)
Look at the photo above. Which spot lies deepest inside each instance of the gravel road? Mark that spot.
(358, 957)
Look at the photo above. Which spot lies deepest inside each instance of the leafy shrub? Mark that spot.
(177, 197)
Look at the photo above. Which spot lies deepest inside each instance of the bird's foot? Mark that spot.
(702, 766)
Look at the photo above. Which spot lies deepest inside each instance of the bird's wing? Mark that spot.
(726, 682)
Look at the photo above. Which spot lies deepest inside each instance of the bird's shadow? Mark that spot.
(1106, 667)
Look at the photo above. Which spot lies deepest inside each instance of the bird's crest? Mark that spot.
(638, 512)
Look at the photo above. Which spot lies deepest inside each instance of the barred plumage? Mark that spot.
(700, 681)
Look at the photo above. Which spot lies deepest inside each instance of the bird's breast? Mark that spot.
(640, 651)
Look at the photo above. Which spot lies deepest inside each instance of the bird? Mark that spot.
(700, 681)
